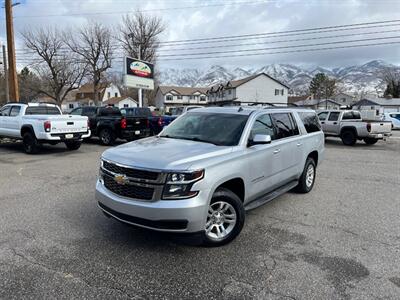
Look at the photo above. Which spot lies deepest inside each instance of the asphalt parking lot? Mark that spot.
(341, 241)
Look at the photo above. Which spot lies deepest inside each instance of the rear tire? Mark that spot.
(107, 137)
(370, 141)
(348, 137)
(307, 178)
(225, 218)
(31, 144)
(73, 145)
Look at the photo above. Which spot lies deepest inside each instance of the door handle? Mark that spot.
(322, 122)
(277, 151)
(299, 144)
(334, 123)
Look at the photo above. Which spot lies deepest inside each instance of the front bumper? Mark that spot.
(187, 215)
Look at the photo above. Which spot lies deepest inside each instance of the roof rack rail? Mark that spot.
(15, 102)
(43, 102)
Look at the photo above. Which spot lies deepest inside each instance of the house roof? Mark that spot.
(386, 101)
(293, 99)
(365, 102)
(312, 102)
(88, 87)
(236, 83)
(115, 100)
(181, 90)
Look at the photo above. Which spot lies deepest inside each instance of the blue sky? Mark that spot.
(221, 19)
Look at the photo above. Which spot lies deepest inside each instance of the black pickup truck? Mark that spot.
(156, 123)
(109, 124)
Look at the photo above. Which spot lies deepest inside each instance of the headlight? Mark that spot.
(179, 185)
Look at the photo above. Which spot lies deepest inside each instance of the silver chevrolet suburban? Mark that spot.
(209, 166)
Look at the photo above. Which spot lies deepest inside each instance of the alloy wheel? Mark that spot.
(310, 175)
(221, 220)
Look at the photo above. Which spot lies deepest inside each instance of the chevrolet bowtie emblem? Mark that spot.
(121, 179)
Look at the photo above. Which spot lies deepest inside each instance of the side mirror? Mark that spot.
(260, 139)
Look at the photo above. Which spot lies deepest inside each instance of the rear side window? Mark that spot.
(283, 125)
(5, 111)
(263, 125)
(42, 110)
(396, 116)
(322, 116)
(15, 111)
(88, 111)
(310, 121)
(334, 116)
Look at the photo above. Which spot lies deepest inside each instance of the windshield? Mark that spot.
(218, 129)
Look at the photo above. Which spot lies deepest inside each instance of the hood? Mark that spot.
(163, 153)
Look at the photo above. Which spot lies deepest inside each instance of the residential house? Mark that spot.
(121, 102)
(170, 96)
(344, 99)
(318, 104)
(293, 99)
(379, 105)
(260, 88)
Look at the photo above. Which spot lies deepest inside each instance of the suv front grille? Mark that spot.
(130, 191)
(130, 172)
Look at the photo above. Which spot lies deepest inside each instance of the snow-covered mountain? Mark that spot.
(353, 79)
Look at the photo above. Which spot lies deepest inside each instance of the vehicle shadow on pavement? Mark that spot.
(17, 147)
(359, 144)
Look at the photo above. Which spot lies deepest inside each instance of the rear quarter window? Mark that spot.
(310, 121)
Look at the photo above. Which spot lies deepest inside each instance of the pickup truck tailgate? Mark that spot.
(68, 124)
(380, 127)
(136, 123)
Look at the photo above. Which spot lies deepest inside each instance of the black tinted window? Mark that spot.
(136, 112)
(283, 125)
(334, 116)
(322, 116)
(76, 112)
(310, 121)
(42, 110)
(88, 111)
(263, 125)
(110, 111)
(15, 111)
(5, 111)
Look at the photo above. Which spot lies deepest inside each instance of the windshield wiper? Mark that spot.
(196, 139)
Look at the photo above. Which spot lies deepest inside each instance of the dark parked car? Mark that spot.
(156, 123)
(108, 124)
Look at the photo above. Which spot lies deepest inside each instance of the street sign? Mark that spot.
(138, 74)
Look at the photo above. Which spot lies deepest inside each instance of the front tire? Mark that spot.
(307, 179)
(31, 144)
(225, 218)
(73, 145)
(348, 137)
(370, 141)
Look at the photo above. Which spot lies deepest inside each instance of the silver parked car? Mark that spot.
(209, 166)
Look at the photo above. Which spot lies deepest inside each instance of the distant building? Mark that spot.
(170, 96)
(259, 88)
(344, 99)
(319, 104)
(379, 105)
(84, 96)
(294, 99)
(121, 102)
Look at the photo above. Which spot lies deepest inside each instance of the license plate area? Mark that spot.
(69, 136)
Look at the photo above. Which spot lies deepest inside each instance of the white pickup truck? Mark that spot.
(39, 123)
(350, 127)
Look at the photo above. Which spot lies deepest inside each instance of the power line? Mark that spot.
(282, 52)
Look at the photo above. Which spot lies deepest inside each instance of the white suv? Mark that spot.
(206, 168)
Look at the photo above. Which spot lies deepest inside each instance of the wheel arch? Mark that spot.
(314, 155)
(235, 185)
(27, 128)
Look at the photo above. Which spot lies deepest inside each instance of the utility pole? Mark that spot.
(6, 73)
(13, 79)
(140, 90)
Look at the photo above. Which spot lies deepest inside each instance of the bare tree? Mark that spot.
(93, 43)
(391, 78)
(58, 70)
(144, 30)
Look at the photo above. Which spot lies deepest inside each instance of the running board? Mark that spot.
(271, 196)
